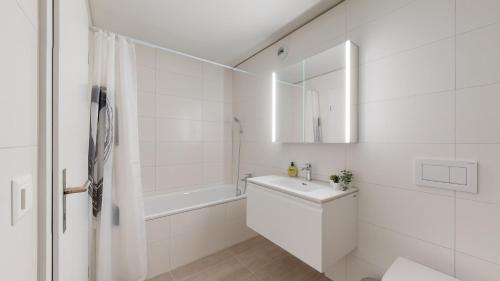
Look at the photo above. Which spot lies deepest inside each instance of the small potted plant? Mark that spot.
(335, 182)
(345, 179)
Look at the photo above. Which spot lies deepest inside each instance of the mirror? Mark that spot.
(315, 100)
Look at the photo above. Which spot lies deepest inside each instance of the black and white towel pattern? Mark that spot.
(100, 143)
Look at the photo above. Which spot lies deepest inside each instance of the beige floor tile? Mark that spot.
(256, 259)
(246, 245)
(228, 270)
(252, 277)
(190, 269)
(259, 254)
(288, 268)
(163, 277)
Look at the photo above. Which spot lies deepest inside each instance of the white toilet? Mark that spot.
(406, 270)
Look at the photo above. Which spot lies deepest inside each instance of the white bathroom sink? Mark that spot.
(296, 184)
(316, 191)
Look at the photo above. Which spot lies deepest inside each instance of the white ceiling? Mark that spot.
(225, 31)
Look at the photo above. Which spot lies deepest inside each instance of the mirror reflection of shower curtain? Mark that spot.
(316, 116)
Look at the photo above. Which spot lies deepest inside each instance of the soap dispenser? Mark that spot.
(292, 170)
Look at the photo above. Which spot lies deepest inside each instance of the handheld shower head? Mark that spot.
(237, 121)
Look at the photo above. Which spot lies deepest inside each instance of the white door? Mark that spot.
(71, 100)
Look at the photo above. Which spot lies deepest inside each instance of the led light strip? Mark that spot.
(273, 113)
(348, 91)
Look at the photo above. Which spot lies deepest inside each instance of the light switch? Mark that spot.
(458, 175)
(22, 197)
(435, 173)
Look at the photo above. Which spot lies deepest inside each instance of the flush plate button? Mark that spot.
(458, 175)
(448, 174)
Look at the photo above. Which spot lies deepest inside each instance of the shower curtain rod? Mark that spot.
(144, 43)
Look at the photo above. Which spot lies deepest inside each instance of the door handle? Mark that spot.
(68, 191)
(78, 189)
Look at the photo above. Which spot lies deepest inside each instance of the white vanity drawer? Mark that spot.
(319, 234)
(291, 224)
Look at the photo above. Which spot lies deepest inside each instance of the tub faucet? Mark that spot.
(244, 180)
(308, 169)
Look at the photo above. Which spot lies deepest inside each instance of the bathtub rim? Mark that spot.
(190, 208)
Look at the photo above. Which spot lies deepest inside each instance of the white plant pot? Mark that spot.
(336, 186)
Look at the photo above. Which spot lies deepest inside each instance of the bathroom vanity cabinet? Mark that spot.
(310, 220)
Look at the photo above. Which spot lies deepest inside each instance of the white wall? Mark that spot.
(18, 141)
(429, 83)
(185, 113)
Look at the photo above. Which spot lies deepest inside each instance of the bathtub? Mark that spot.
(172, 203)
(182, 227)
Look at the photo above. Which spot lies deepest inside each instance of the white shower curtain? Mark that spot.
(119, 244)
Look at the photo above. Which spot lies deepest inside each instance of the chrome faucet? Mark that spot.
(245, 181)
(308, 169)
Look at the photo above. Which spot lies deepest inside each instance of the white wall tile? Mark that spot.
(214, 111)
(18, 99)
(216, 132)
(488, 157)
(408, 94)
(236, 209)
(215, 239)
(145, 56)
(145, 79)
(188, 247)
(413, 25)
(236, 231)
(178, 108)
(333, 163)
(146, 129)
(228, 86)
(423, 70)
(159, 257)
(215, 152)
(478, 230)
(214, 173)
(18, 260)
(472, 14)
(146, 104)
(197, 233)
(170, 83)
(192, 221)
(477, 108)
(418, 119)
(474, 269)
(213, 90)
(213, 72)
(177, 130)
(170, 178)
(478, 59)
(338, 271)
(424, 216)
(363, 11)
(148, 178)
(158, 229)
(183, 104)
(382, 246)
(147, 152)
(394, 164)
(179, 64)
(30, 9)
(171, 153)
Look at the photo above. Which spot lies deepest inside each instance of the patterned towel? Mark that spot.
(100, 143)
